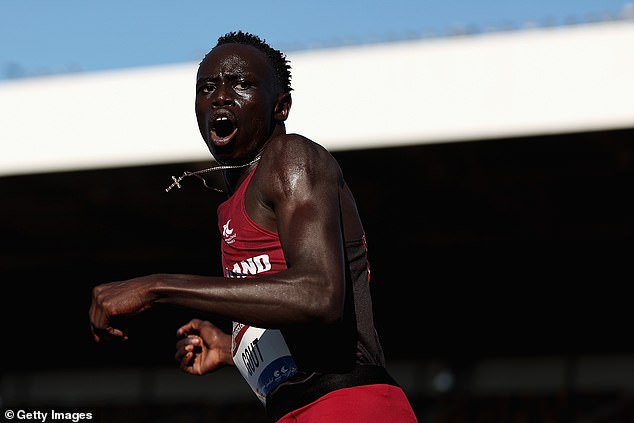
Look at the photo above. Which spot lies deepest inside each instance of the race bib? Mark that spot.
(262, 357)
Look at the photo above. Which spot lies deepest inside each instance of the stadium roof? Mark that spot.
(468, 87)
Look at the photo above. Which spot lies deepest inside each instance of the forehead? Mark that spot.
(234, 58)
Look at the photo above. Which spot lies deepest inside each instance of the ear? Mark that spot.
(282, 107)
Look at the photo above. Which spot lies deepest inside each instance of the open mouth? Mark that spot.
(222, 130)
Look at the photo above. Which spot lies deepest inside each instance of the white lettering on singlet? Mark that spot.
(252, 266)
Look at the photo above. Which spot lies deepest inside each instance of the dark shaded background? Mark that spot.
(466, 240)
(492, 248)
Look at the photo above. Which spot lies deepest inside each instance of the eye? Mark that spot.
(206, 87)
(243, 85)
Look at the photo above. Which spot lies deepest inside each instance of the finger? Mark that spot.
(183, 330)
(187, 360)
(109, 333)
(98, 319)
(181, 350)
(188, 344)
(180, 353)
(185, 354)
(189, 327)
(117, 333)
(94, 333)
(95, 325)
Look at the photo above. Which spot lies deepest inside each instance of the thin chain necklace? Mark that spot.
(177, 181)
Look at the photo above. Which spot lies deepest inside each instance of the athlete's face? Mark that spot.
(236, 95)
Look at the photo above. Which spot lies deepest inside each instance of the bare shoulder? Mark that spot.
(295, 146)
(296, 154)
(294, 165)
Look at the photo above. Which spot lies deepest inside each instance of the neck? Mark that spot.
(234, 176)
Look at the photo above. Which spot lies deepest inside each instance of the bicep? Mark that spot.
(309, 224)
(300, 189)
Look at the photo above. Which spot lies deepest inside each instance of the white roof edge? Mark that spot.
(530, 82)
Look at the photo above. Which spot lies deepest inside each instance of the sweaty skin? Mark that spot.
(297, 191)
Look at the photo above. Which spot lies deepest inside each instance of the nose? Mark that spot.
(222, 96)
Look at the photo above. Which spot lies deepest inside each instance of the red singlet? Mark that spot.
(336, 384)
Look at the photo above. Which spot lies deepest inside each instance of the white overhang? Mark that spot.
(472, 87)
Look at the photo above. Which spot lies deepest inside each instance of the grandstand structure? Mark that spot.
(484, 86)
(493, 171)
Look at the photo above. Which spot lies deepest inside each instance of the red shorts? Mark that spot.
(364, 404)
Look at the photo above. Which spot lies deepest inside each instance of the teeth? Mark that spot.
(221, 118)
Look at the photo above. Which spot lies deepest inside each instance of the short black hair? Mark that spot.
(281, 65)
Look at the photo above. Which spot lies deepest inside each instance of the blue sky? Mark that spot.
(40, 37)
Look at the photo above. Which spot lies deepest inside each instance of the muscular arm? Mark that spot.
(294, 192)
(299, 198)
